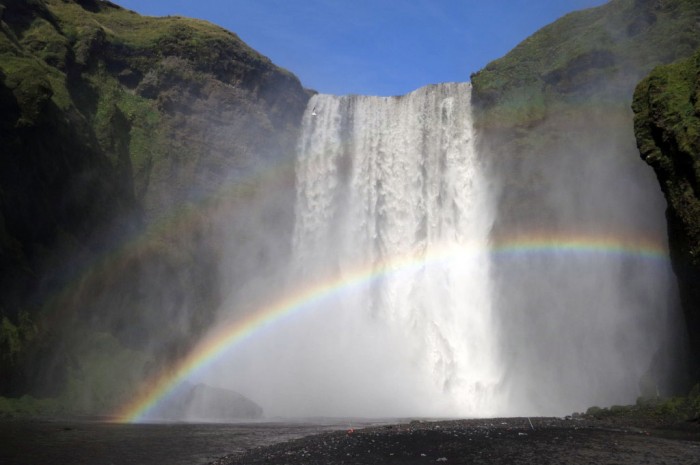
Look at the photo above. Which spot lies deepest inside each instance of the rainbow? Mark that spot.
(229, 335)
(580, 243)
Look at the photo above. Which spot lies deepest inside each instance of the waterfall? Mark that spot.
(390, 189)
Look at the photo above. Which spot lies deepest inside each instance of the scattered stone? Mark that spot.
(485, 442)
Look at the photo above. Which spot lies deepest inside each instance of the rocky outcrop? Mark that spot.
(667, 127)
(204, 403)
(129, 145)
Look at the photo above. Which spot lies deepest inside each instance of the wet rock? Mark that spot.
(207, 403)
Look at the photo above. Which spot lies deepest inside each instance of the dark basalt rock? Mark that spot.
(667, 127)
(208, 404)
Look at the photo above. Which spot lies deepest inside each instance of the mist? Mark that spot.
(583, 327)
(543, 332)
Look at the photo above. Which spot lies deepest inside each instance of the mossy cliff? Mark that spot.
(555, 122)
(667, 126)
(124, 142)
(565, 92)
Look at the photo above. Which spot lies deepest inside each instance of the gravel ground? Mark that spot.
(494, 441)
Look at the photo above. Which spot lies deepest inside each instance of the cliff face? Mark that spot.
(556, 125)
(128, 144)
(563, 95)
(667, 126)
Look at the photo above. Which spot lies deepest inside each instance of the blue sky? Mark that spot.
(374, 47)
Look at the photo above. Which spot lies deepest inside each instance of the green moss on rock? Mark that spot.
(667, 127)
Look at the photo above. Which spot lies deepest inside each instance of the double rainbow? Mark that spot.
(229, 335)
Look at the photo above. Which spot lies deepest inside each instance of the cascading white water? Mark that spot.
(391, 189)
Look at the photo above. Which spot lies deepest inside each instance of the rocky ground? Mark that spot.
(571, 440)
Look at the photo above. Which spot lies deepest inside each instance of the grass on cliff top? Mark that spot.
(596, 53)
(126, 27)
(213, 49)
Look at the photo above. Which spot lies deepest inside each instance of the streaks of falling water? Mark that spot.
(396, 183)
